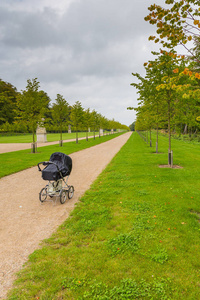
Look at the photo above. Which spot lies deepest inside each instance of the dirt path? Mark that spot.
(25, 222)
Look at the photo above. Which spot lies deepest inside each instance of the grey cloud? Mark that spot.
(29, 30)
(85, 53)
(86, 26)
(91, 25)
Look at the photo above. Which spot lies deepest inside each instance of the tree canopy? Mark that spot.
(31, 105)
(60, 113)
(176, 24)
(8, 95)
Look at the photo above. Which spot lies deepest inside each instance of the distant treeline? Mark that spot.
(21, 112)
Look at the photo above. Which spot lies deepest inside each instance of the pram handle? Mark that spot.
(46, 163)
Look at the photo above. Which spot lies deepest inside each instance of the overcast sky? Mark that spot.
(85, 50)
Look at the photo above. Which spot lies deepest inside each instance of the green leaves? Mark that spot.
(60, 113)
(32, 104)
(176, 25)
(8, 94)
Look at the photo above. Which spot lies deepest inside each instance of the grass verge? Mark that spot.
(51, 137)
(16, 161)
(134, 235)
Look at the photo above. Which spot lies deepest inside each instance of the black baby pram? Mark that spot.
(58, 167)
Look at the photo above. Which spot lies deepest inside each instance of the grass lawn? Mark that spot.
(16, 161)
(134, 235)
(51, 137)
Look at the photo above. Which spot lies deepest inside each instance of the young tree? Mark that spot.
(132, 126)
(31, 106)
(8, 95)
(99, 123)
(77, 117)
(164, 91)
(94, 121)
(104, 123)
(60, 113)
(87, 121)
(150, 98)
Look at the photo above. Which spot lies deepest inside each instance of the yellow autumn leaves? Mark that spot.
(197, 22)
(187, 72)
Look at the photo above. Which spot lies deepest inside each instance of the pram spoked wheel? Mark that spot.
(63, 196)
(70, 191)
(43, 194)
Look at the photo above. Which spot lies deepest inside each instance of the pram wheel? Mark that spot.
(43, 195)
(70, 191)
(63, 196)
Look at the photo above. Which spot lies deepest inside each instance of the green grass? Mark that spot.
(16, 161)
(134, 235)
(51, 137)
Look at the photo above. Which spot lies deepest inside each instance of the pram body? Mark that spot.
(55, 170)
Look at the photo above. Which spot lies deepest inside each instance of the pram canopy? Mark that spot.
(59, 165)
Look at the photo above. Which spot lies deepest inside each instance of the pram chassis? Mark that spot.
(55, 188)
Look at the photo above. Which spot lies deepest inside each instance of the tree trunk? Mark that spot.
(157, 140)
(33, 148)
(61, 142)
(169, 127)
(150, 139)
(76, 137)
(185, 129)
(87, 135)
(169, 132)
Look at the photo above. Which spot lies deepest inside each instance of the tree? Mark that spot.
(94, 120)
(164, 65)
(151, 102)
(8, 95)
(60, 113)
(164, 93)
(99, 123)
(176, 25)
(87, 121)
(77, 117)
(132, 126)
(31, 106)
(104, 123)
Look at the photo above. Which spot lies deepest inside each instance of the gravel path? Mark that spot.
(25, 222)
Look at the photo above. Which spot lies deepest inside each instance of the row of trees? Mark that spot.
(23, 112)
(169, 94)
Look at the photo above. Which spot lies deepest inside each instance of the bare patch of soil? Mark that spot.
(24, 222)
(168, 166)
